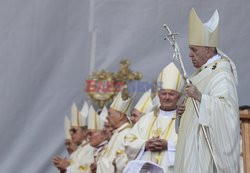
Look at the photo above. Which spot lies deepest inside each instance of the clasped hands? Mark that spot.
(61, 163)
(156, 144)
(93, 167)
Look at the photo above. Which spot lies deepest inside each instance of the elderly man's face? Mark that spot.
(168, 99)
(90, 132)
(97, 138)
(135, 116)
(78, 134)
(108, 130)
(70, 146)
(113, 118)
(198, 55)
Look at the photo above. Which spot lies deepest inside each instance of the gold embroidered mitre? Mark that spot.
(203, 34)
(171, 78)
(145, 103)
(123, 106)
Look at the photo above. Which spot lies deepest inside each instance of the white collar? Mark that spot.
(166, 113)
(211, 60)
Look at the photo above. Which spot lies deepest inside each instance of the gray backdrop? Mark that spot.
(49, 47)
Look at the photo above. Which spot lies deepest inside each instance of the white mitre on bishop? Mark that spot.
(145, 103)
(103, 117)
(67, 128)
(93, 119)
(120, 105)
(77, 120)
(84, 112)
(203, 34)
(171, 78)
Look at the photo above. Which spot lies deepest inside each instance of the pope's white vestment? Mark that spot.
(218, 113)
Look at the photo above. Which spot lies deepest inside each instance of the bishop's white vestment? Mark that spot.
(154, 124)
(81, 159)
(113, 159)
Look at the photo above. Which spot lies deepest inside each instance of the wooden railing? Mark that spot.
(245, 119)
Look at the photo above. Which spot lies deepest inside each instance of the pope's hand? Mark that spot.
(193, 92)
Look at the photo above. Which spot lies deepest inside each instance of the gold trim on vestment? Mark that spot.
(145, 104)
(166, 133)
(108, 149)
(127, 107)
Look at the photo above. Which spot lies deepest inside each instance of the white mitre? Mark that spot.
(93, 119)
(123, 106)
(84, 113)
(145, 103)
(67, 128)
(203, 34)
(171, 78)
(77, 119)
(102, 117)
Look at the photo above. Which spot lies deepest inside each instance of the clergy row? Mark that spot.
(115, 141)
(165, 137)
